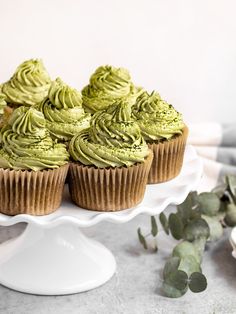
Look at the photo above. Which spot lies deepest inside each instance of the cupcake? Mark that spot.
(63, 111)
(106, 86)
(33, 167)
(111, 161)
(165, 132)
(28, 86)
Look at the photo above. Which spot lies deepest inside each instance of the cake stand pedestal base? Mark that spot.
(54, 261)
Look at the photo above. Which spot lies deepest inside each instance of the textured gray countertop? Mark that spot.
(135, 288)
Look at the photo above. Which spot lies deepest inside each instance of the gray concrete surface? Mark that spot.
(135, 288)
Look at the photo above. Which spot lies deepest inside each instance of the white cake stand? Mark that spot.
(53, 257)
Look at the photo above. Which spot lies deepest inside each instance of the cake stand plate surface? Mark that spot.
(53, 257)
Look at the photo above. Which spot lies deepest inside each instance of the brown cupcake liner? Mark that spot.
(31, 192)
(108, 189)
(167, 158)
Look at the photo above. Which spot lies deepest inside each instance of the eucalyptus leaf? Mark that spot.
(230, 217)
(171, 266)
(187, 203)
(172, 292)
(189, 265)
(194, 197)
(186, 248)
(216, 229)
(197, 282)
(194, 214)
(231, 181)
(154, 229)
(209, 203)
(164, 222)
(176, 226)
(196, 229)
(177, 279)
(185, 208)
(142, 239)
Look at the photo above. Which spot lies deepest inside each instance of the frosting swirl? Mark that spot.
(3, 103)
(156, 118)
(26, 143)
(113, 140)
(29, 84)
(63, 111)
(107, 85)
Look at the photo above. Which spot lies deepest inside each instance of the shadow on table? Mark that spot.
(225, 263)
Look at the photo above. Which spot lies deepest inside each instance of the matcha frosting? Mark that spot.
(26, 143)
(63, 111)
(3, 103)
(113, 140)
(156, 118)
(29, 85)
(107, 85)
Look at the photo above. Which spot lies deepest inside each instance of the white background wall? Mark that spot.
(185, 49)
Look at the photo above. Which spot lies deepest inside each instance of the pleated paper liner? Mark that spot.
(31, 192)
(167, 158)
(108, 189)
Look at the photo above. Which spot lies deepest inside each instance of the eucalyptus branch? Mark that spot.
(198, 220)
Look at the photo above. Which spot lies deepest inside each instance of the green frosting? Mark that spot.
(29, 85)
(107, 85)
(3, 103)
(156, 118)
(26, 143)
(63, 111)
(113, 140)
